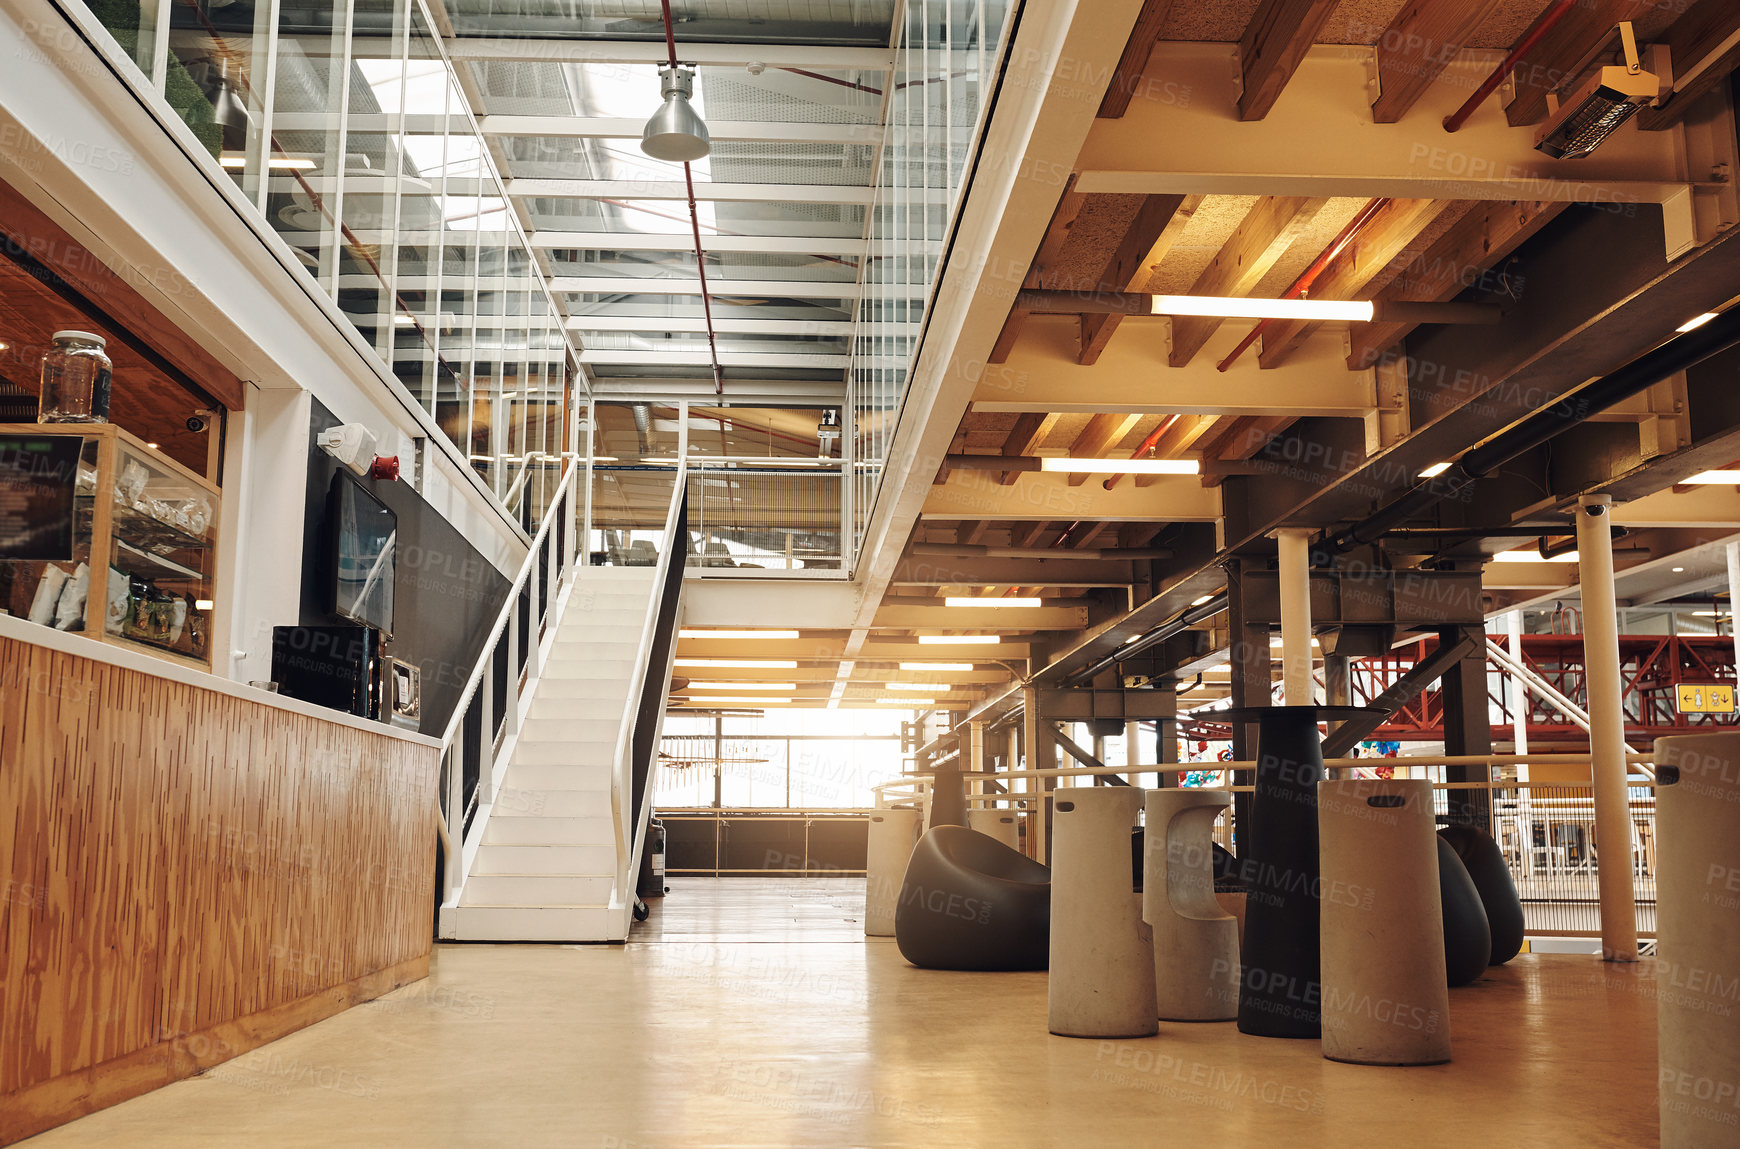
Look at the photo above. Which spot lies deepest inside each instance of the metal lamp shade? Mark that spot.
(675, 133)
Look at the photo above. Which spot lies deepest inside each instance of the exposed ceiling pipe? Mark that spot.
(1177, 624)
(1559, 11)
(1166, 424)
(1676, 355)
(1357, 224)
(695, 224)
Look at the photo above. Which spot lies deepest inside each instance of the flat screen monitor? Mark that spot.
(364, 532)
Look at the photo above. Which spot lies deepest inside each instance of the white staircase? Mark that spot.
(552, 862)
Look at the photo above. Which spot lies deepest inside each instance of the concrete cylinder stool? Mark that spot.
(998, 824)
(1697, 881)
(1385, 998)
(1196, 943)
(1102, 955)
(893, 833)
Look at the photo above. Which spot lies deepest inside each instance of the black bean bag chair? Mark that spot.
(1484, 860)
(1467, 936)
(969, 902)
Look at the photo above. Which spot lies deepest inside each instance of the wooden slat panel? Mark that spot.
(1422, 39)
(1275, 41)
(183, 862)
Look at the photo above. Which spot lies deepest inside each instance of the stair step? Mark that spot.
(533, 924)
(607, 701)
(574, 688)
(585, 670)
(594, 651)
(499, 859)
(576, 752)
(594, 775)
(549, 832)
(537, 889)
(594, 802)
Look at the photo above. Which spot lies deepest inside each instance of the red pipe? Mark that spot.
(1303, 284)
(695, 224)
(1146, 445)
(1535, 35)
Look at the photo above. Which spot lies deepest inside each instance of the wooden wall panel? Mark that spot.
(185, 875)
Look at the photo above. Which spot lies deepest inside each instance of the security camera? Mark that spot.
(756, 67)
(199, 421)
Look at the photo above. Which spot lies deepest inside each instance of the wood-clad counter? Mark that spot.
(189, 868)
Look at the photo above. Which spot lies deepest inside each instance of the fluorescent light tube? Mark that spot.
(959, 639)
(917, 686)
(962, 667)
(969, 601)
(741, 663)
(786, 687)
(1122, 466)
(1434, 470)
(717, 699)
(907, 701)
(743, 634)
(1713, 478)
(1532, 556)
(1226, 307)
(1694, 324)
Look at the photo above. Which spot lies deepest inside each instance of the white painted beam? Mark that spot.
(677, 190)
(695, 323)
(677, 241)
(1132, 375)
(1048, 495)
(621, 284)
(652, 52)
(727, 131)
(726, 359)
(1182, 135)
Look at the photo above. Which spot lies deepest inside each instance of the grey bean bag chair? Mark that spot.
(969, 902)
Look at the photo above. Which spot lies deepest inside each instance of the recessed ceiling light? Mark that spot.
(1694, 324)
(740, 663)
(1434, 470)
(785, 686)
(737, 634)
(972, 601)
(1122, 466)
(959, 639)
(962, 667)
(1227, 307)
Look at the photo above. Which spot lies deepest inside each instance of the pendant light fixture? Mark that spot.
(676, 133)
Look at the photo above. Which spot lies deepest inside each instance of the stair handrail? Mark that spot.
(624, 818)
(557, 515)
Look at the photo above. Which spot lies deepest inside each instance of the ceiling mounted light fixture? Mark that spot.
(1434, 470)
(960, 639)
(676, 133)
(1233, 307)
(1121, 466)
(944, 667)
(1720, 478)
(1582, 121)
(1694, 324)
(973, 601)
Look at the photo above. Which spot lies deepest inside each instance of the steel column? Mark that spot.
(1606, 728)
(1296, 684)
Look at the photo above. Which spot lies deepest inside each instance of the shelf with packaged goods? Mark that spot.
(153, 522)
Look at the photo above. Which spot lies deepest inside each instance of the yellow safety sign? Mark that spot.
(1705, 698)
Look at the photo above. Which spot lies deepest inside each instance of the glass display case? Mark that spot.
(144, 550)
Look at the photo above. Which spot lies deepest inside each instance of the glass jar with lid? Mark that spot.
(75, 380)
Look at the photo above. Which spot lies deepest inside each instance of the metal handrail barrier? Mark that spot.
(552, 550)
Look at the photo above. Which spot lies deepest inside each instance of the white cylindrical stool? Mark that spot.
(1386, 996)
(998, 824)
(1196, 943)
(1102, 956)
(1697, 916)
(893, 834)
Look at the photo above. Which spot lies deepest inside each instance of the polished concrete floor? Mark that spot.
(695, 1041)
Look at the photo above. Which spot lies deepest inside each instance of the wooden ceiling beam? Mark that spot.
(1388, 237)
(1030, 536)
(1456, 261)
(1419, 43)
(1179, 438)
(1262, 238)
(1028, 433)
(1150, 236)
(1134, 63)
(1569, 41)
(1274, 43)
(1102, 432)
(1691, 40)
(1063, 218)
(1242, 438)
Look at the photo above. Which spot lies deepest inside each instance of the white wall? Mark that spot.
(78, 142)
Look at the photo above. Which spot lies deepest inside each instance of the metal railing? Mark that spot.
(480, 735)
(637, 740)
